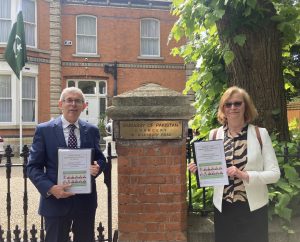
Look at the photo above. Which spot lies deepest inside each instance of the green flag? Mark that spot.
(15, 52)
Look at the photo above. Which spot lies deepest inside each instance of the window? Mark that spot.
(10, 100)
(150, 37)
(8, 16)
(86, 35)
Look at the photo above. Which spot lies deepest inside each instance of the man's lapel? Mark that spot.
(58, 129)
(83, 134)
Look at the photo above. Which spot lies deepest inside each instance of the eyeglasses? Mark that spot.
(71, 101)
(235, 104)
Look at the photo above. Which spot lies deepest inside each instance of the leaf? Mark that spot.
(290, 173)
(228, 57)
(239, 39)
(251, 3)
(284, 186)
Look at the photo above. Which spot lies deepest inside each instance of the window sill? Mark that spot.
(150, 58)
(86, 55)
(17, 126)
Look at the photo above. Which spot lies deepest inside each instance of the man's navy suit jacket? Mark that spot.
(43, 163)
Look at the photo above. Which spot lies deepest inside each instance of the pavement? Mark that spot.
(17, 191)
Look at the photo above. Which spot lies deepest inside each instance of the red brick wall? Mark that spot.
(151, 191)
(119, 40)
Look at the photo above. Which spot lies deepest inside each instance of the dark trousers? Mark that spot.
(81, 224)
(237, 223)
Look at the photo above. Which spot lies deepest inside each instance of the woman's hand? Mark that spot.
(233, 171)
(192, 167)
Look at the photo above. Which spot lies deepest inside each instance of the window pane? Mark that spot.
(28, 9)
(29, 34)
(5, 20)
(5, 99)
(28, 99)
(71, 84)
(28, 87)
(5, 86)
(86, 44)
(102, 106)
(102, 87)
(5, 110)
(29, 21)
(86, 25)
(28, 110)
(87, 87)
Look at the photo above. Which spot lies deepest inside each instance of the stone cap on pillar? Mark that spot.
(151, 101)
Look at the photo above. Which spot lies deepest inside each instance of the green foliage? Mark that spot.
(285, 194)
(197, 23)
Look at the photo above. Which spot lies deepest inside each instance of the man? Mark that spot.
(64, 210)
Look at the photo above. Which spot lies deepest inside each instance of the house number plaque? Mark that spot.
(151, 129)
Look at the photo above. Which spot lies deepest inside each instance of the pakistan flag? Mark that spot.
(15, 52)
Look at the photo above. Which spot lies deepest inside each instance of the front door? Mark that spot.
(95, 97)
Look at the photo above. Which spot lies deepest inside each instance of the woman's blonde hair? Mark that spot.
(250, 110)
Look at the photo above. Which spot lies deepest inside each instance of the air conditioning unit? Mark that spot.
(68, 42)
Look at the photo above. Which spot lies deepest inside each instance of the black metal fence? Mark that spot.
(286, 155)
(35, 234)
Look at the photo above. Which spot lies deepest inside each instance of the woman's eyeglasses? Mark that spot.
(235, 104)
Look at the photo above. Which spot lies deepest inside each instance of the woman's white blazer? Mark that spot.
(262, 168)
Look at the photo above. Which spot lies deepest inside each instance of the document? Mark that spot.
(211, 163)
(74, 168)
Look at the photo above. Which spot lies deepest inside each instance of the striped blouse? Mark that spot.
(235, 154)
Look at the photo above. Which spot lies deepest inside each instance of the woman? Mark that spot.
(241, 211)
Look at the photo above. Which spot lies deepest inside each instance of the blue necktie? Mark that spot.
(72, 140)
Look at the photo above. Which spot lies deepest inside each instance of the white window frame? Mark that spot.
(13, 19)
(96, 35)
(30, 71)
(147, 37)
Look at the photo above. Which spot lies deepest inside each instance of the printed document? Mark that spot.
(211, 163)
(74, 168)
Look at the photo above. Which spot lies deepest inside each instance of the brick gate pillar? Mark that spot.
(150, 127)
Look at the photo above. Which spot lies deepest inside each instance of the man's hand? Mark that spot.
(95, 169)
(60, 191)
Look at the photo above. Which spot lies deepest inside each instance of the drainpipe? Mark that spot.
(113, 69)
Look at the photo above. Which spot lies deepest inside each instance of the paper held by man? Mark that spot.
(74, 169)
(211, 164)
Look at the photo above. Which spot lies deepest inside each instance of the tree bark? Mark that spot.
(257, 67)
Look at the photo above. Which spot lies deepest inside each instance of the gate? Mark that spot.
(35, 234)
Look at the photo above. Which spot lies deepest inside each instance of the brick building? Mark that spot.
(104, 47)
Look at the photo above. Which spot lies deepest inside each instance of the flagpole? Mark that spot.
(21, 113)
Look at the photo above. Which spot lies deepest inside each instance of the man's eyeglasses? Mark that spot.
(71, 101)
(235, 104)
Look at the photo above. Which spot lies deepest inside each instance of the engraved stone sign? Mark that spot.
(151, 129)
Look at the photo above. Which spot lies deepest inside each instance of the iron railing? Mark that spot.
(205, 210)
(27, 234)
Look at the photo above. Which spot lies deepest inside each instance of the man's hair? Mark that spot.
(71, 90)
(250, 110)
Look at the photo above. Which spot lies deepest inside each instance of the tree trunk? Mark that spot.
(257, 68)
